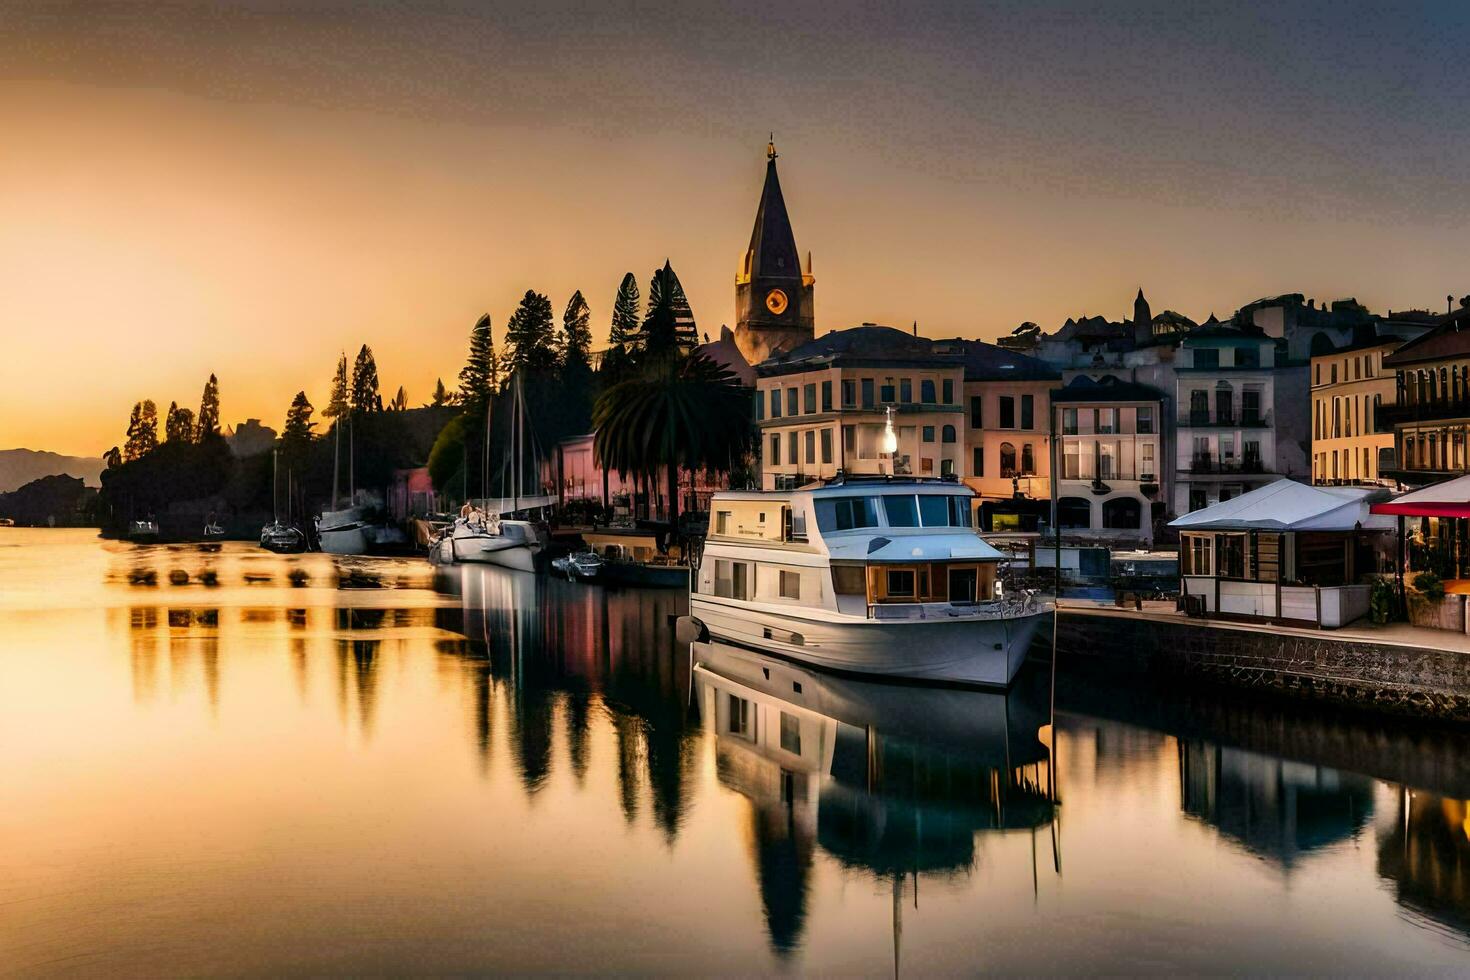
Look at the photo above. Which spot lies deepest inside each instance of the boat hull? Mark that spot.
(980, 651)
(485, 551)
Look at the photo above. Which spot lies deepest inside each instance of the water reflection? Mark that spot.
(1425, 852)
(895, 781)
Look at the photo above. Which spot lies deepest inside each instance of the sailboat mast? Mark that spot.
(351, 463)
(275, 486)
(336, 458)
(516, 465)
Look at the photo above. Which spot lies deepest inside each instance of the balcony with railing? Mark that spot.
(1228, 418)
(1430, 410)
(1213, 464)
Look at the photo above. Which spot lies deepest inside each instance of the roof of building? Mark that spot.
(867, 344)
(1215, 330)
(1105, 389)
(1287, 505)
(1450, 339)
(726, 353)
(988, 362)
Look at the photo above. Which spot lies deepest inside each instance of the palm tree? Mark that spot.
(677, 412)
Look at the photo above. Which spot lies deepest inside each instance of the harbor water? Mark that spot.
(233, 762)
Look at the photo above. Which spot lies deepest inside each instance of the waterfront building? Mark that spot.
(1350, 388)
(826, 406)
(1110, 483)
(1007, 441)
(1286, 552)
(1242, 415)
(1431, 410)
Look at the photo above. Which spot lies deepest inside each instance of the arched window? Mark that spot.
(947, 434)
(1007, 460)
(1322, 344)
(1028, 460)
(1074, 513)
(1122, 513)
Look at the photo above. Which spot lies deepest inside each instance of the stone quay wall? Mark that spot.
(1386, 677)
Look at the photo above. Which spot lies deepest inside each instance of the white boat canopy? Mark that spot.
(1290, 506)
(873, 545)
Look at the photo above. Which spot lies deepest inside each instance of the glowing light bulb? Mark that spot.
(890, 439)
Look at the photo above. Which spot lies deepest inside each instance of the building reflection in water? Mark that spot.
(1277, 808)
(893, 781)
(1425, 853)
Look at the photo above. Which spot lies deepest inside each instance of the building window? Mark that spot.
(906, 391)
(722, 522)
(1231, 556)
(732, 579)
(1145, 420)
(946, 467)
(849, 440)
(826, 396)
(977, 412)
(928, 433)
(809, 398)
(811, 447)
(978, 462)
(1007, 412)
(1197, 558)
(1074, 513)
(885, 393)
(1207, 357)
(1028, 460)
(826, 445)
(1146, 458)
(1198, 499)
(926, 391)
(1107, 421)
(739, 716)
(849, 394)
(947, 434)
(790, 585)
(949, 391)
(1071, 461)
(791, 449)
(926, 464)
(1007, 461)
(867, 393)
(1106, 461)
(760, 406)
(792, 402)
(775, 403)
(1028, 416)
(1122, 513)
(790, 733)
(776, 448)
(1069, 421)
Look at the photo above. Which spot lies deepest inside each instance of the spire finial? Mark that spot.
(771, 148)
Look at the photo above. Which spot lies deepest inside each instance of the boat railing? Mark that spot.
(1007, 608)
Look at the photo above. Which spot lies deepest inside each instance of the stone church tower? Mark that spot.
(773, 294)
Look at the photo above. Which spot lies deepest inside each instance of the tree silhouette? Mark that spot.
(479, 379)
(178, 425)
(624, 332)
(576, 348)
(669, 325)
(142, 431)
(400, 400)
(364, 390)
(208, 423)
(337, 399)
(113, 457)
(441, 394)
(296, 437)
(530, 335)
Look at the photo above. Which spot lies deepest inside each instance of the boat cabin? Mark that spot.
(874, 549)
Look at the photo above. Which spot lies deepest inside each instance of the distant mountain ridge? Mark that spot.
(21, 466)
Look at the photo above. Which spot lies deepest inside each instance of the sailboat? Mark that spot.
(278, 536)
(360, 528)
(480, 534)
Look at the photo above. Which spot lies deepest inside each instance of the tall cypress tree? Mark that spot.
(142, 431)
(626, 317)
(337, 399)
(207, 424)
(441, 394)
(296, 435)
(178, 424)
(480, 377)
(576, 335)
(669, 319)
(530, 334)
(364, 391)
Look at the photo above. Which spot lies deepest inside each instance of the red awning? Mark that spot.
(1424, 509)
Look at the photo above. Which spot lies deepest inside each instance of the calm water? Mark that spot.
(243, 763)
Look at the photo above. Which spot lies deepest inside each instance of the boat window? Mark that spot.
(902, 511)
(959, 511)
(846, 513)
(934, 510)
(731, 578)
(849, 580)
(900, 583)
(790, 585)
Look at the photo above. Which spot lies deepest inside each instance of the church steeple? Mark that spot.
(773, 295)
(1141, 313)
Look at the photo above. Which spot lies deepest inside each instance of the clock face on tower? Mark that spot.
(776, 302)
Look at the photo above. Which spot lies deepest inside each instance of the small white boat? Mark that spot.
(584, 565)
(485, 539)
(145, 530)
(282, 538)
(879, 577)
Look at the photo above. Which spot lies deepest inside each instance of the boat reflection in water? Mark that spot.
(895, 781)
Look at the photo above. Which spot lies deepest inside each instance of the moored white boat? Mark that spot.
(877, 577)
(584, 565)
(484, 539)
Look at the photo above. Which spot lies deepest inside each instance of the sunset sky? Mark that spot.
(251, 188)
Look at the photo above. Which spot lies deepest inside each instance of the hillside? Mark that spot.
(21, 466)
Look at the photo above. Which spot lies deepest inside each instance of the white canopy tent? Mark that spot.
(1290, 506)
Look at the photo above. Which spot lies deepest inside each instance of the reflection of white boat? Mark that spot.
(868, 576)
(488, 540)
(584, 565)
(7, 522)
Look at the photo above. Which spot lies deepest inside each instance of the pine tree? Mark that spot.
(441, 394)
(576, 353)
(669, 326)
(297, 434)
(364, 390)
(337, 400)
(208, 422)
(178, 425)
(530, 334)
(625, 320)
(142, 431)
(480, 377)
